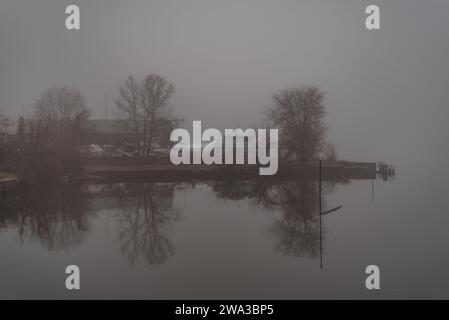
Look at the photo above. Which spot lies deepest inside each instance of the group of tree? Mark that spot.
(298, 113)
(44, 145)
(61, 121)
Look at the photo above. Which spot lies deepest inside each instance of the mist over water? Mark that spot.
(386, 98)
(226, 60)
(254, 240)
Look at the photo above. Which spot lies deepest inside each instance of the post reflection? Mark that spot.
(60, 217)
(296, 231)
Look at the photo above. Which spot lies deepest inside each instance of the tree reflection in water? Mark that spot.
(54, 216)
(58, 216)
(297, 230)
(142, 221)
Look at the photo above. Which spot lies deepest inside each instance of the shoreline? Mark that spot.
(121, 171)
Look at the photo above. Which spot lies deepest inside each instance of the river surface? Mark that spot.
(227, 240)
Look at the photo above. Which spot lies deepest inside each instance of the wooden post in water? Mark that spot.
(319, 212)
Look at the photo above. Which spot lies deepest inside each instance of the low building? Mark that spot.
(109, 132)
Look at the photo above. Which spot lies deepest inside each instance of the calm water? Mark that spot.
(228, 240)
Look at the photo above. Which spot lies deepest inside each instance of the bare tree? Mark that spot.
(63, 109)
(4, 124)
(32, 136)
(146, 108)
(61, 122)
(128, 107)
(299, 114)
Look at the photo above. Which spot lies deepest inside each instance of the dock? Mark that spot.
(119, 170)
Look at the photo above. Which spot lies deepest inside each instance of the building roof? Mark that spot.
(95, 126)
(102, 126)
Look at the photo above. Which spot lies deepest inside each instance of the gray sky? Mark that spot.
(385, 89)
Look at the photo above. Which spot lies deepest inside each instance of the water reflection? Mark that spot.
(56, 217)
(296, 231)
(145, 211)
